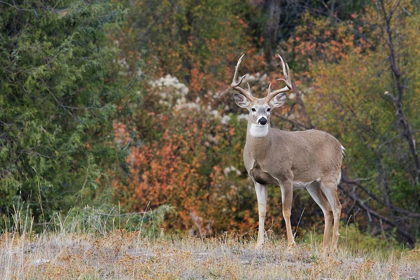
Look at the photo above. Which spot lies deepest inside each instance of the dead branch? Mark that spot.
(297, 124)
(411, 239)
(348, 181)
(402, 122)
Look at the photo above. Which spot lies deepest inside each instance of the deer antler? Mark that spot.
(235, 84)
(287, 80)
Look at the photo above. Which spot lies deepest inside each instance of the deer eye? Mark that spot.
(269, 109)
(253, 110)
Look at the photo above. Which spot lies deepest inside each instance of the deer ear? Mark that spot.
(241, 100)
(278, 100)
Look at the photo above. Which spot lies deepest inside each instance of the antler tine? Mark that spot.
(235, 84)
(286, 74)
(287, 80)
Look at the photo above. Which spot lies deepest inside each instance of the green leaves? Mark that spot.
(58, 100)
(349, 99)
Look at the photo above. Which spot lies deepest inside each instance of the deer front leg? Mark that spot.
(262, 210)
(287, 198)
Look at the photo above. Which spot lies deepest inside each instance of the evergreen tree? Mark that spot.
(59, 94)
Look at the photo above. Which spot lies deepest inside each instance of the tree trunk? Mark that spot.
(272, 13)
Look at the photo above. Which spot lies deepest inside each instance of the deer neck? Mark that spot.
(258, 140)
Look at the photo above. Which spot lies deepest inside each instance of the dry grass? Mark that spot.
(126, 255)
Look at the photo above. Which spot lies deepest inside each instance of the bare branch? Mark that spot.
(394, 9)
(377, 199)
(402, 121)
(297, 124)
(411, 239)
(120, 215)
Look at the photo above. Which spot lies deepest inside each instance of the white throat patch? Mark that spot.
(257, 130)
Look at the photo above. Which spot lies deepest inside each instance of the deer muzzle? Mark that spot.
(262, 121)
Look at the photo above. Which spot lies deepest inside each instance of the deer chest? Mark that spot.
(262, 177)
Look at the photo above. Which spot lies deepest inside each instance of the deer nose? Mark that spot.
(262, 121)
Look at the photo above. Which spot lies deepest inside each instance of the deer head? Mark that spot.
(260, 108)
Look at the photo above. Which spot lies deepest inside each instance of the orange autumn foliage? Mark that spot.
(183, 169)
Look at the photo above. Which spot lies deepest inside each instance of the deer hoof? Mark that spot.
(291, 247)
(259, 245)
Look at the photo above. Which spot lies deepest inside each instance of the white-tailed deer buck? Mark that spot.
(303, 159)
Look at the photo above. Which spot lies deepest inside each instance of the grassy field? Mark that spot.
(126, 255)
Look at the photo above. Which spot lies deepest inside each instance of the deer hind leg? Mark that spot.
(287, 198)
(316, 193)
(262, 195)
(329, 188)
